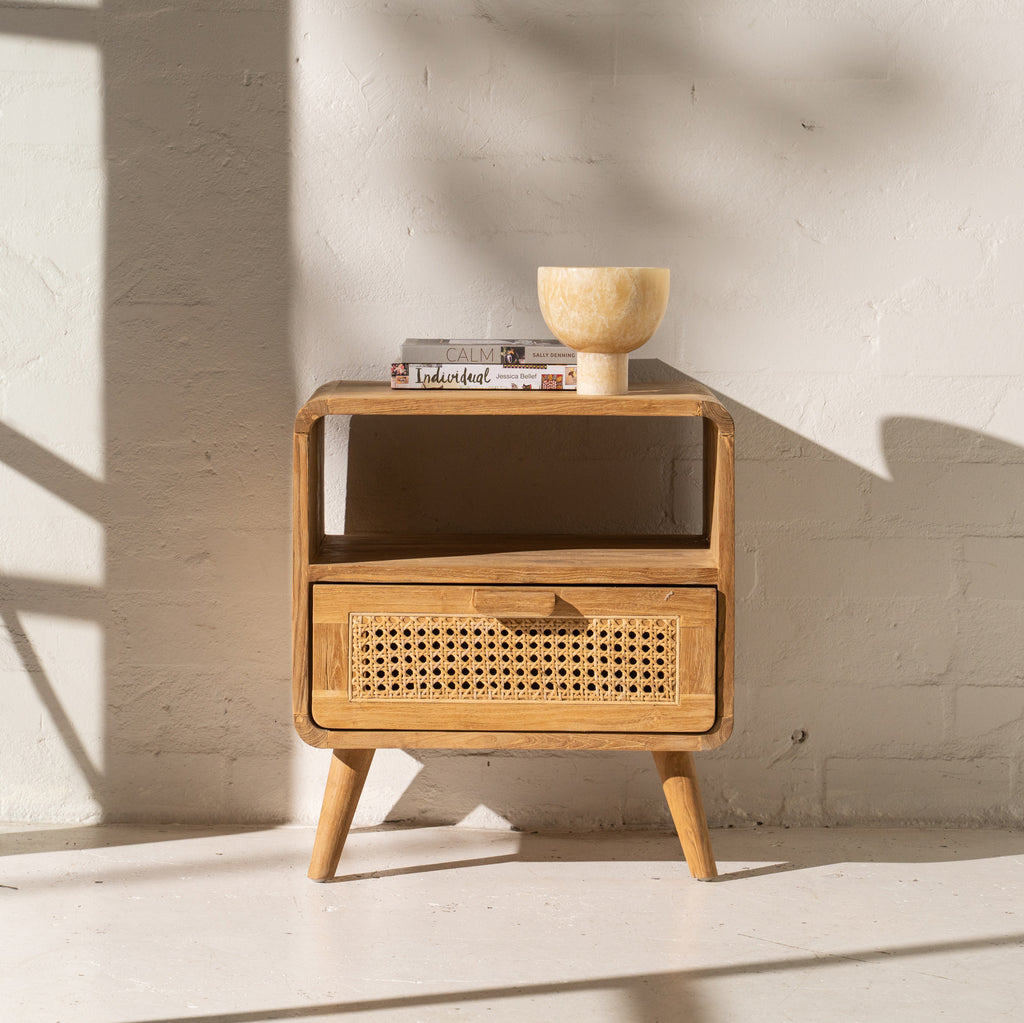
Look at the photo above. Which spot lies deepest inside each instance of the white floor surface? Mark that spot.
(139, 925)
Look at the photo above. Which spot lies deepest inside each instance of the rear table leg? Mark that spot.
(679, 781)
(345, 779)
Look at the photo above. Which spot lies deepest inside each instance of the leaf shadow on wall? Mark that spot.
(875, 617)
(501, 136)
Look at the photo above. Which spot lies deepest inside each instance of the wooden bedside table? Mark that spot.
(513, 642)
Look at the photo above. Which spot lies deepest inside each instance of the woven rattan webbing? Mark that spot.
(471, 657)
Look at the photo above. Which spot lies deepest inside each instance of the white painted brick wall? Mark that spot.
(207, 210)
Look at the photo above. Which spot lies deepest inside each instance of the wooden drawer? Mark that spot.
(574, 658)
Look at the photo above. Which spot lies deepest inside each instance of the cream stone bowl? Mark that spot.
(604, 313)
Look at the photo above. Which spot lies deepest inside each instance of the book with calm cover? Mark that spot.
(436, 350)
(482, 376)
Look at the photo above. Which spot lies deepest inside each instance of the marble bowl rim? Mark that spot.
(665, 268)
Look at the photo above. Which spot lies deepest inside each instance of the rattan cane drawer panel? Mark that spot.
(598, 659)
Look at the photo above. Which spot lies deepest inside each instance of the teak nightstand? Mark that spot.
(513, 642)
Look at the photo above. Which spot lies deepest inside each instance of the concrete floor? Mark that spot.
(119, 924)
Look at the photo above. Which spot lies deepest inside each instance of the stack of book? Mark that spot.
(485, 365)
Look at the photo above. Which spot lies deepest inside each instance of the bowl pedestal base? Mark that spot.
(598, 373)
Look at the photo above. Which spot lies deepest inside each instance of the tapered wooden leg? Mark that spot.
(345, 779)
(679, 780)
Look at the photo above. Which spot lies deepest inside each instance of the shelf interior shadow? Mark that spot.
(532, 474)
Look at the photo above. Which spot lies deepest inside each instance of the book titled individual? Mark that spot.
(482, 376)
(471, 352)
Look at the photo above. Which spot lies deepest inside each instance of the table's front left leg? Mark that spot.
(345, 779)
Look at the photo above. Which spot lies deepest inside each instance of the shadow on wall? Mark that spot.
(525, 134)
(878, 672)
(199, 397)
(878, 617)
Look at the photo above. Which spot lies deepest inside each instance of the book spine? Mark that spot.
(469, 352)
(482, 376)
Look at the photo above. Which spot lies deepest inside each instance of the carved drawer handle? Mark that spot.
(514, 603)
